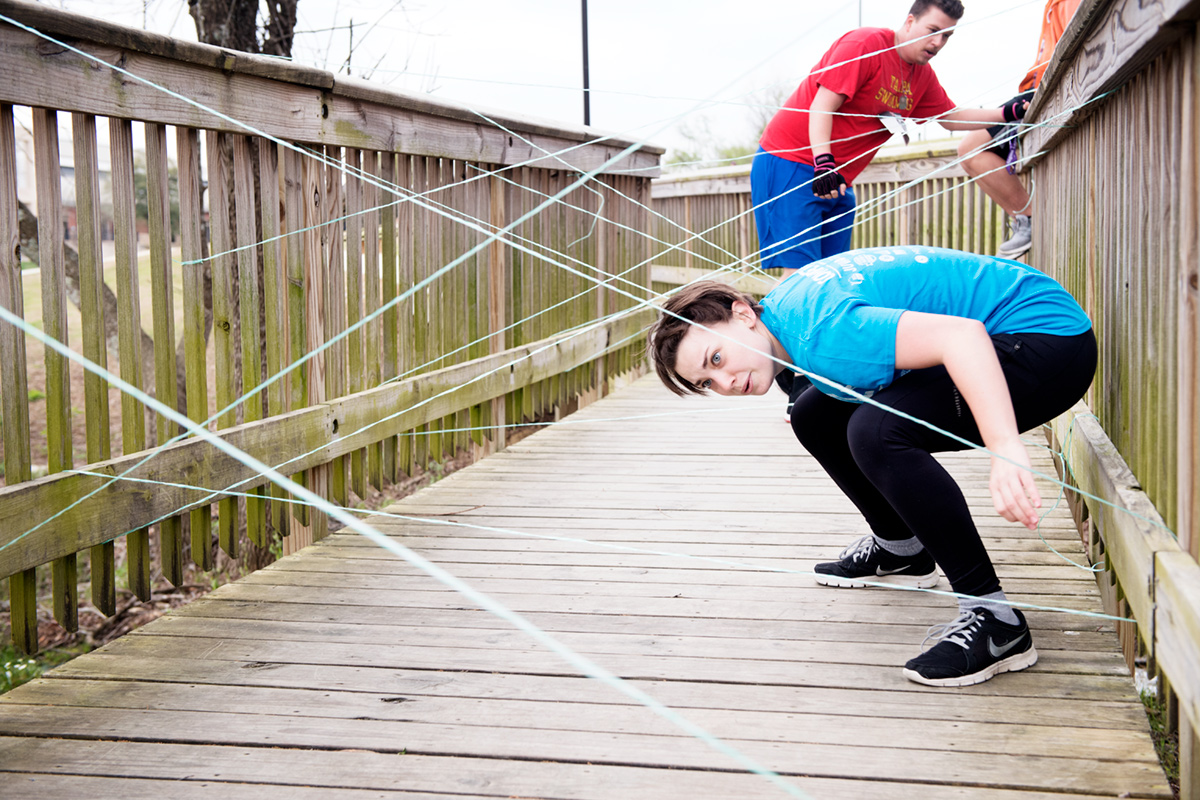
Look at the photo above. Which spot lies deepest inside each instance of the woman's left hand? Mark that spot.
(1014, 494)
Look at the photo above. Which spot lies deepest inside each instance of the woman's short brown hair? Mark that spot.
(705, 302)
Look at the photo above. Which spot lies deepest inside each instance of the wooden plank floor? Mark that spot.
(341, 672)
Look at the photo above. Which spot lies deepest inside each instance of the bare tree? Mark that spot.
(234, 24)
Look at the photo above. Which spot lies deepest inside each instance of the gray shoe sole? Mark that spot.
(1020, 251)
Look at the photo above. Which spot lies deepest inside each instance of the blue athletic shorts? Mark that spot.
(796, 228)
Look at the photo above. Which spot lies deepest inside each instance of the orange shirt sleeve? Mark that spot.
(1055, 19)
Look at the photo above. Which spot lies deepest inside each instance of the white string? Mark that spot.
(625, 548)
(486, 602)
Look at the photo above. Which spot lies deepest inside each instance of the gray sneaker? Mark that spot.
(1021, 239)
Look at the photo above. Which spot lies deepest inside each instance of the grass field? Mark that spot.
(36, 365)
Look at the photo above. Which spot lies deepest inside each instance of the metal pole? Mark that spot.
(587, 98)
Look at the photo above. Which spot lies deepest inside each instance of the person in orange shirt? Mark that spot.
(984, 152)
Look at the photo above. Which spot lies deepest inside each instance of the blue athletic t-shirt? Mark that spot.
(837, 317)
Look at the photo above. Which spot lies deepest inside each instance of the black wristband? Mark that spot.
(1014, 111)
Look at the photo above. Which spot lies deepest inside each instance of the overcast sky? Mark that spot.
(655, 64)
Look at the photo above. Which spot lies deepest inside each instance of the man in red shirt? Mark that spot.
(832, 125)
(857, 95)
(984, 153)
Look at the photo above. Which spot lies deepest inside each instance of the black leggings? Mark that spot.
(883, 462)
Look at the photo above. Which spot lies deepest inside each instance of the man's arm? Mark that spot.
(964, 347)
(820, 134)
(820, 119)
(973, 119)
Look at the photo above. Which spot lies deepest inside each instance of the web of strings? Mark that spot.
(508, 237)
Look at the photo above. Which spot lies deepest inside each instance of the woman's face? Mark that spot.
(730, 358)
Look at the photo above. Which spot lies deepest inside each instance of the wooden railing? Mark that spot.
(301, 251)
(1118, 222)
(913, 195)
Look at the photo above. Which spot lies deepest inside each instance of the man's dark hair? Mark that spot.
(705, 302)
(951, 8)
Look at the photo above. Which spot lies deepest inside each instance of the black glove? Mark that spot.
(1014, 111)
(828, 180)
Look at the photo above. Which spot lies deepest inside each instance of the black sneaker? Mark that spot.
(865, 563)
(974, 648)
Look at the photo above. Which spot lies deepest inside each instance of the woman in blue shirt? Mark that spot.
(977, 346)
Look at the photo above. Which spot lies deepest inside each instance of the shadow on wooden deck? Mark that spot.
(341, 672)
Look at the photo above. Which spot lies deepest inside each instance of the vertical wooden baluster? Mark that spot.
(354, 292)
(194, 345)
(480, 190)
(129, 332)
(533, 286)
(275, 304)
(460, 305)
(1187, 289)
(225, 322)
(372, 341)
(528, 231)
(497, 300)
(558, 285)
(315, 265)
(249, 302)
(1189, 759)
(166, 386)
(294, 204)
(600, 304)
(551, 281)
(18, 467)
(91, 282)
(425, 230)
(405, 277)
(519, 334)
(335, 308)
(546, 280)
(435, 298)
(420, 299)
(51, 260)
(389, 252)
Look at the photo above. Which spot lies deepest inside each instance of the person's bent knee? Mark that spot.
(973, 154)
(816, 422)
(965, 149)
(865, 429)
(972, 162)
(875, 435)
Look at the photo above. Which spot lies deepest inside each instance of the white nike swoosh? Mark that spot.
(881, 572)
(997, 652)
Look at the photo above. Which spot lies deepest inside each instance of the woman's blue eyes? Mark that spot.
(715, 360)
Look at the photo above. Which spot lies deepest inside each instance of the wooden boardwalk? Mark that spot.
(341, 672)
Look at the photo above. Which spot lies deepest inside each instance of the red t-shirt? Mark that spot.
(877, 84)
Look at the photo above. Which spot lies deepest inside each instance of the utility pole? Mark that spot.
(587, 98)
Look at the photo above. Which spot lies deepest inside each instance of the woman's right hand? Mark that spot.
(1014, 494)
